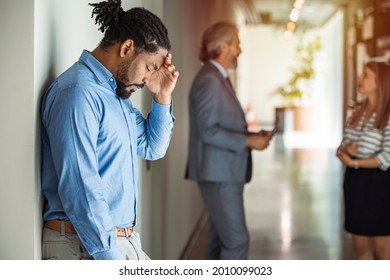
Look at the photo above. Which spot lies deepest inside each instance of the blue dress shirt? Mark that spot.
(90, 142)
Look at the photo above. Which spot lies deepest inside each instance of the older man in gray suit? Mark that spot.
(220, 144)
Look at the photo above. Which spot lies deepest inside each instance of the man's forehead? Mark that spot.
(158, 57)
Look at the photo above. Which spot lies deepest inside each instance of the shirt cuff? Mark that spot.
(384, 165)
(112, 254)
(344, 143)
(163, 111)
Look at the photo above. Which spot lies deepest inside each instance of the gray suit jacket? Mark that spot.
(218, 131)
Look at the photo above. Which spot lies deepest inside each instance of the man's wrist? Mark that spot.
(164, 100)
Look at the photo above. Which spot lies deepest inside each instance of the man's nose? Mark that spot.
(147, 78)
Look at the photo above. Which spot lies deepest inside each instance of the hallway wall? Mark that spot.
(18, 194)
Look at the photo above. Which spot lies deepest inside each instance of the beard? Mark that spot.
(234, 63)
(122, 80)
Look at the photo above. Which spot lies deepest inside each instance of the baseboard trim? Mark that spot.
(193, 240)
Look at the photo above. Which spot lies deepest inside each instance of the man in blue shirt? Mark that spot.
(92, 135)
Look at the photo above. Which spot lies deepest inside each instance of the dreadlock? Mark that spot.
(143, 27)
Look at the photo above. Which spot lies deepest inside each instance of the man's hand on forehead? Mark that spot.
(164, 81)
(168, 59)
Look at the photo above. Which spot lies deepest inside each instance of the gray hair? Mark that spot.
(212, 38)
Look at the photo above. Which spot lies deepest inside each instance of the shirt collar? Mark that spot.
(101, 72)
(220, 68)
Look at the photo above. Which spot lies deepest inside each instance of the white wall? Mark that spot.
(18, 194)
(329, 81)
(267, 58)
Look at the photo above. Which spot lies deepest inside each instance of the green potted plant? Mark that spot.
(292, 92)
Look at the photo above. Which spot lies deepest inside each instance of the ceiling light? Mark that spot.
(291, 26)
(294, 15)
(288, 34)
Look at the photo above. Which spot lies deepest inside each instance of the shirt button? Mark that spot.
(166, 113)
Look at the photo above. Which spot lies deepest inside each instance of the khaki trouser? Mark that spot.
(67, 246)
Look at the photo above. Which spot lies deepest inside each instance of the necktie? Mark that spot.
(230, 83)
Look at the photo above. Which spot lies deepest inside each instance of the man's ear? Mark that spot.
(126, 48)
(223, 46)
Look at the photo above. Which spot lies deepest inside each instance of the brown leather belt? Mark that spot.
(56, 225)
(124, 232)
(69, 228)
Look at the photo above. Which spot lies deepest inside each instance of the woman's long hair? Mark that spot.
(382, 109)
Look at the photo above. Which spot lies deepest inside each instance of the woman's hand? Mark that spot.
(344, 157)
(351, 148)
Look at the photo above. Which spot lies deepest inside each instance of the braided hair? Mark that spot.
(143, 27)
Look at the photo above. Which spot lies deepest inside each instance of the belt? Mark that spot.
(67, 227)
(60, 226)
(124, 232)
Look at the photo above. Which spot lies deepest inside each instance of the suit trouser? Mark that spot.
(67, 246)
(228, 236)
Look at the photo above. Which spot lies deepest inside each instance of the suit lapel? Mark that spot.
(229, 89)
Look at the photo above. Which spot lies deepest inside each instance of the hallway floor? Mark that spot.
(293, 205)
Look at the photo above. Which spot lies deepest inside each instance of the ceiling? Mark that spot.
(314, 13)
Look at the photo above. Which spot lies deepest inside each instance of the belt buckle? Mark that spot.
(126, 233)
